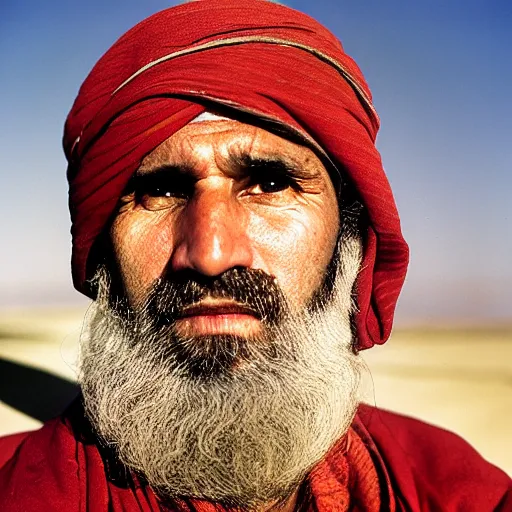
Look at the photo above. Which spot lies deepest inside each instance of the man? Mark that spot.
(234, 226)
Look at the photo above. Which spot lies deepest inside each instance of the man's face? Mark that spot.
(230, 355)
(219, 195)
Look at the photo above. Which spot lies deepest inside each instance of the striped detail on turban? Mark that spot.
(255, 57)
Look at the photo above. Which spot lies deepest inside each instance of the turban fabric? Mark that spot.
(257, 58)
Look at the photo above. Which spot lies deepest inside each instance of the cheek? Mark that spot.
(142, 248)
(295, 246)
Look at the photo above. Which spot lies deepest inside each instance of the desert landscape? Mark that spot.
(459, 378)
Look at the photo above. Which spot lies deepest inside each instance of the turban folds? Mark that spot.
(255, 57)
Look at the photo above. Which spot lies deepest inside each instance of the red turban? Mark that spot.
(256, 57)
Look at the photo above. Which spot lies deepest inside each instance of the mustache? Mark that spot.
(251, 289)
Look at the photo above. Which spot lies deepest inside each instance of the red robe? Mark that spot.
(387, 462)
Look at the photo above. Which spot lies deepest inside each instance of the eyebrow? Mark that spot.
(243, 165)
(182, 169)
(251, 165)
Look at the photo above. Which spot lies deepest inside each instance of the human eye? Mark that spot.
(273, 184)
(270, 177)
(161, 190)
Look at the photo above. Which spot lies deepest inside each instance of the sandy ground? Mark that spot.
(460, 379)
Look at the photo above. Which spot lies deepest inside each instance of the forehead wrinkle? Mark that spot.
(229, 153)
(297, 156)
(165, 156)
(230, 157)
(255, 146)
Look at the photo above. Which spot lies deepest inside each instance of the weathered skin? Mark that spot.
(221, 218)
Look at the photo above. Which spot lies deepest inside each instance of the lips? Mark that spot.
(212, 318)
(217, 309)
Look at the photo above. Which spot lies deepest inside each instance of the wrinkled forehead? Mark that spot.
(227, 142)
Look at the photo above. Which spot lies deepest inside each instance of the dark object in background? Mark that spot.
(37, 393)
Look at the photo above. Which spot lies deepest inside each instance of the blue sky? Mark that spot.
(440, 72)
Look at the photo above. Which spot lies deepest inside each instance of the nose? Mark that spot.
(211, 236)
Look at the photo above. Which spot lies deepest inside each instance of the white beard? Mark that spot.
(244, 438)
